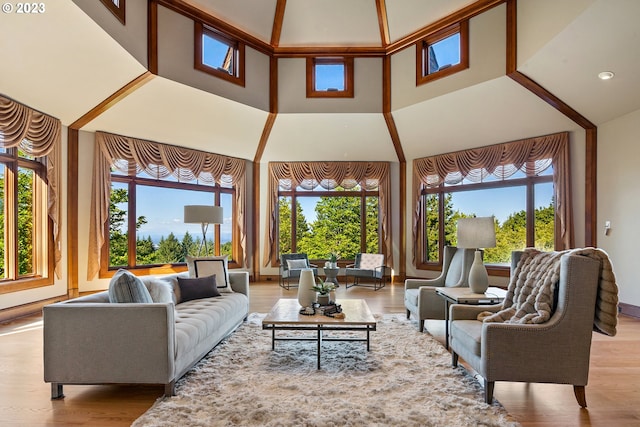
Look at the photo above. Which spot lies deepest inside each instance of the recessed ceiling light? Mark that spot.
(606, 75)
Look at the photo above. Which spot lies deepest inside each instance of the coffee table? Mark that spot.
(465, 295)
(285, 316)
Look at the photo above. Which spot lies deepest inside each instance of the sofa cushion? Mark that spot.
(208, 266)
(468, 333)
(411, 296)
(197, 287)
(296, 264)
(160, 290)
(127, 288)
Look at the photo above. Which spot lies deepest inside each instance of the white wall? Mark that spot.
(619, 200)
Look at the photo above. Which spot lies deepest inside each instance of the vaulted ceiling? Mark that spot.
(76, 55)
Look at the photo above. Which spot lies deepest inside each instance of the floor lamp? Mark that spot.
(203, 215)
(477, 233)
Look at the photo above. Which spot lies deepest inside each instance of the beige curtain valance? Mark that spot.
(329, 175)
(39, 135)
(158, 161)
(533, 155)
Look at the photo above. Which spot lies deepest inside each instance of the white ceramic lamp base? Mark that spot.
(478, 277)
(306, 294)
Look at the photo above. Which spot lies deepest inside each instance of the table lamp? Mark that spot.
(477, 233)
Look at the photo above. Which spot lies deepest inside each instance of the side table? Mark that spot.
(331, 275)
(493, 295)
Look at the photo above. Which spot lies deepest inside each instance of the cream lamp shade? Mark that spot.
(476, 233)
(203, 215)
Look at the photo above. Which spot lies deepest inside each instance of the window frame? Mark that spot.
(529, 182)
(238, 75)
(132, 181)
(118, 11)
(362, 194)
(422, 54)
(346, 61)
(44, 259)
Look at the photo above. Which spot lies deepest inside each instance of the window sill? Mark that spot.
(24, 284)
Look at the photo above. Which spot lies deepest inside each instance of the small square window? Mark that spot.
(443, 53)
(219, 55)
(117, 7)
(330, 77)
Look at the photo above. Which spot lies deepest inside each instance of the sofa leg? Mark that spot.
(170, 389)
(581, 397)
(454, 359)
(56, 391)
(421, 325)
(488, 391)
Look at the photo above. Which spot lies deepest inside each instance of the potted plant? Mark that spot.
(333, 259)
(323, 289)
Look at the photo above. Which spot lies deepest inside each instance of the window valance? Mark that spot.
(532, 155)
(39, 135)
(159, 161)
(329, 175)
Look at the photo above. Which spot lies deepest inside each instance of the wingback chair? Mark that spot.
(367, 266)
(556, 351)
(420, 298)
(290, 267)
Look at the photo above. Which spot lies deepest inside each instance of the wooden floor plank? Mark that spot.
(613, 392)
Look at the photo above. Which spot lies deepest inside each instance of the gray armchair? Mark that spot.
(367, 266)
(420, 298)
(290, 267)
(556, 351)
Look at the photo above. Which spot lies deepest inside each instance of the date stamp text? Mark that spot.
(24, 8)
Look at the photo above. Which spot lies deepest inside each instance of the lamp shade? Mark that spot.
(203, 214)
(476, 232)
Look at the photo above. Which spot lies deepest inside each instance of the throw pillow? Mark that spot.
(296, 264)
(127, 288)
(209, 266)
(159, 289)
(198, 288)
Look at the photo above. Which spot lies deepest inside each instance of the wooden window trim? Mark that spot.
(107, 271)
(238, 76)
(118, 11)
(422, 45)
(348, 91)
(45, 266)
(494, 270)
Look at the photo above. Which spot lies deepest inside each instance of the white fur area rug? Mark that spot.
(405, 380)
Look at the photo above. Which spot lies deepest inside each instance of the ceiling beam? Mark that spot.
(278, 20)
(381, 8)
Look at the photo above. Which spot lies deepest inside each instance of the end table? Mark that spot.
(331, 275)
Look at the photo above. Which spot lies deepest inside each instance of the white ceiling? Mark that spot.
(70, 64)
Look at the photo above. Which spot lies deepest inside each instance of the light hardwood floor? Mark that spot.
(613, 393)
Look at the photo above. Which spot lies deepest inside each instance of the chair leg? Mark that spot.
(581, 397)
(56, 391)
(488, 391)
(420, 325)
(454, 359)
(408, 315)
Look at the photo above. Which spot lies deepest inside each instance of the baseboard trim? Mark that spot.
(28, 309)
(629, 310)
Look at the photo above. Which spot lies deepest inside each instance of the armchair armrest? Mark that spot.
(350, 266)
(239, 281)
(417, 283)
(470, 312)
(313, 265)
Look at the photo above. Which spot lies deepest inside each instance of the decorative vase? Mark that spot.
(323, 299)
(306, 294)
(478, 277)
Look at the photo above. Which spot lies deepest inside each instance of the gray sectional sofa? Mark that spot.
(89, 340)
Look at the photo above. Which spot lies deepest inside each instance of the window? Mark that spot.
(522, 206)
(218, 54)
(339, 220)
(25, 237)
(443, 53)
(145, 230)
(524, 184)
(117, 7)
(330, 77)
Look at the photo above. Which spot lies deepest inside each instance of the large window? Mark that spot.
(146, 226)
(340, 220)
(443, 53)
(522, 206)
(218, 54)
(25, 238)
(523, 184)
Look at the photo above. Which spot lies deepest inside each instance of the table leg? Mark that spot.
(273, 338)
(368, 335)
(319, 344)
(446, 324)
